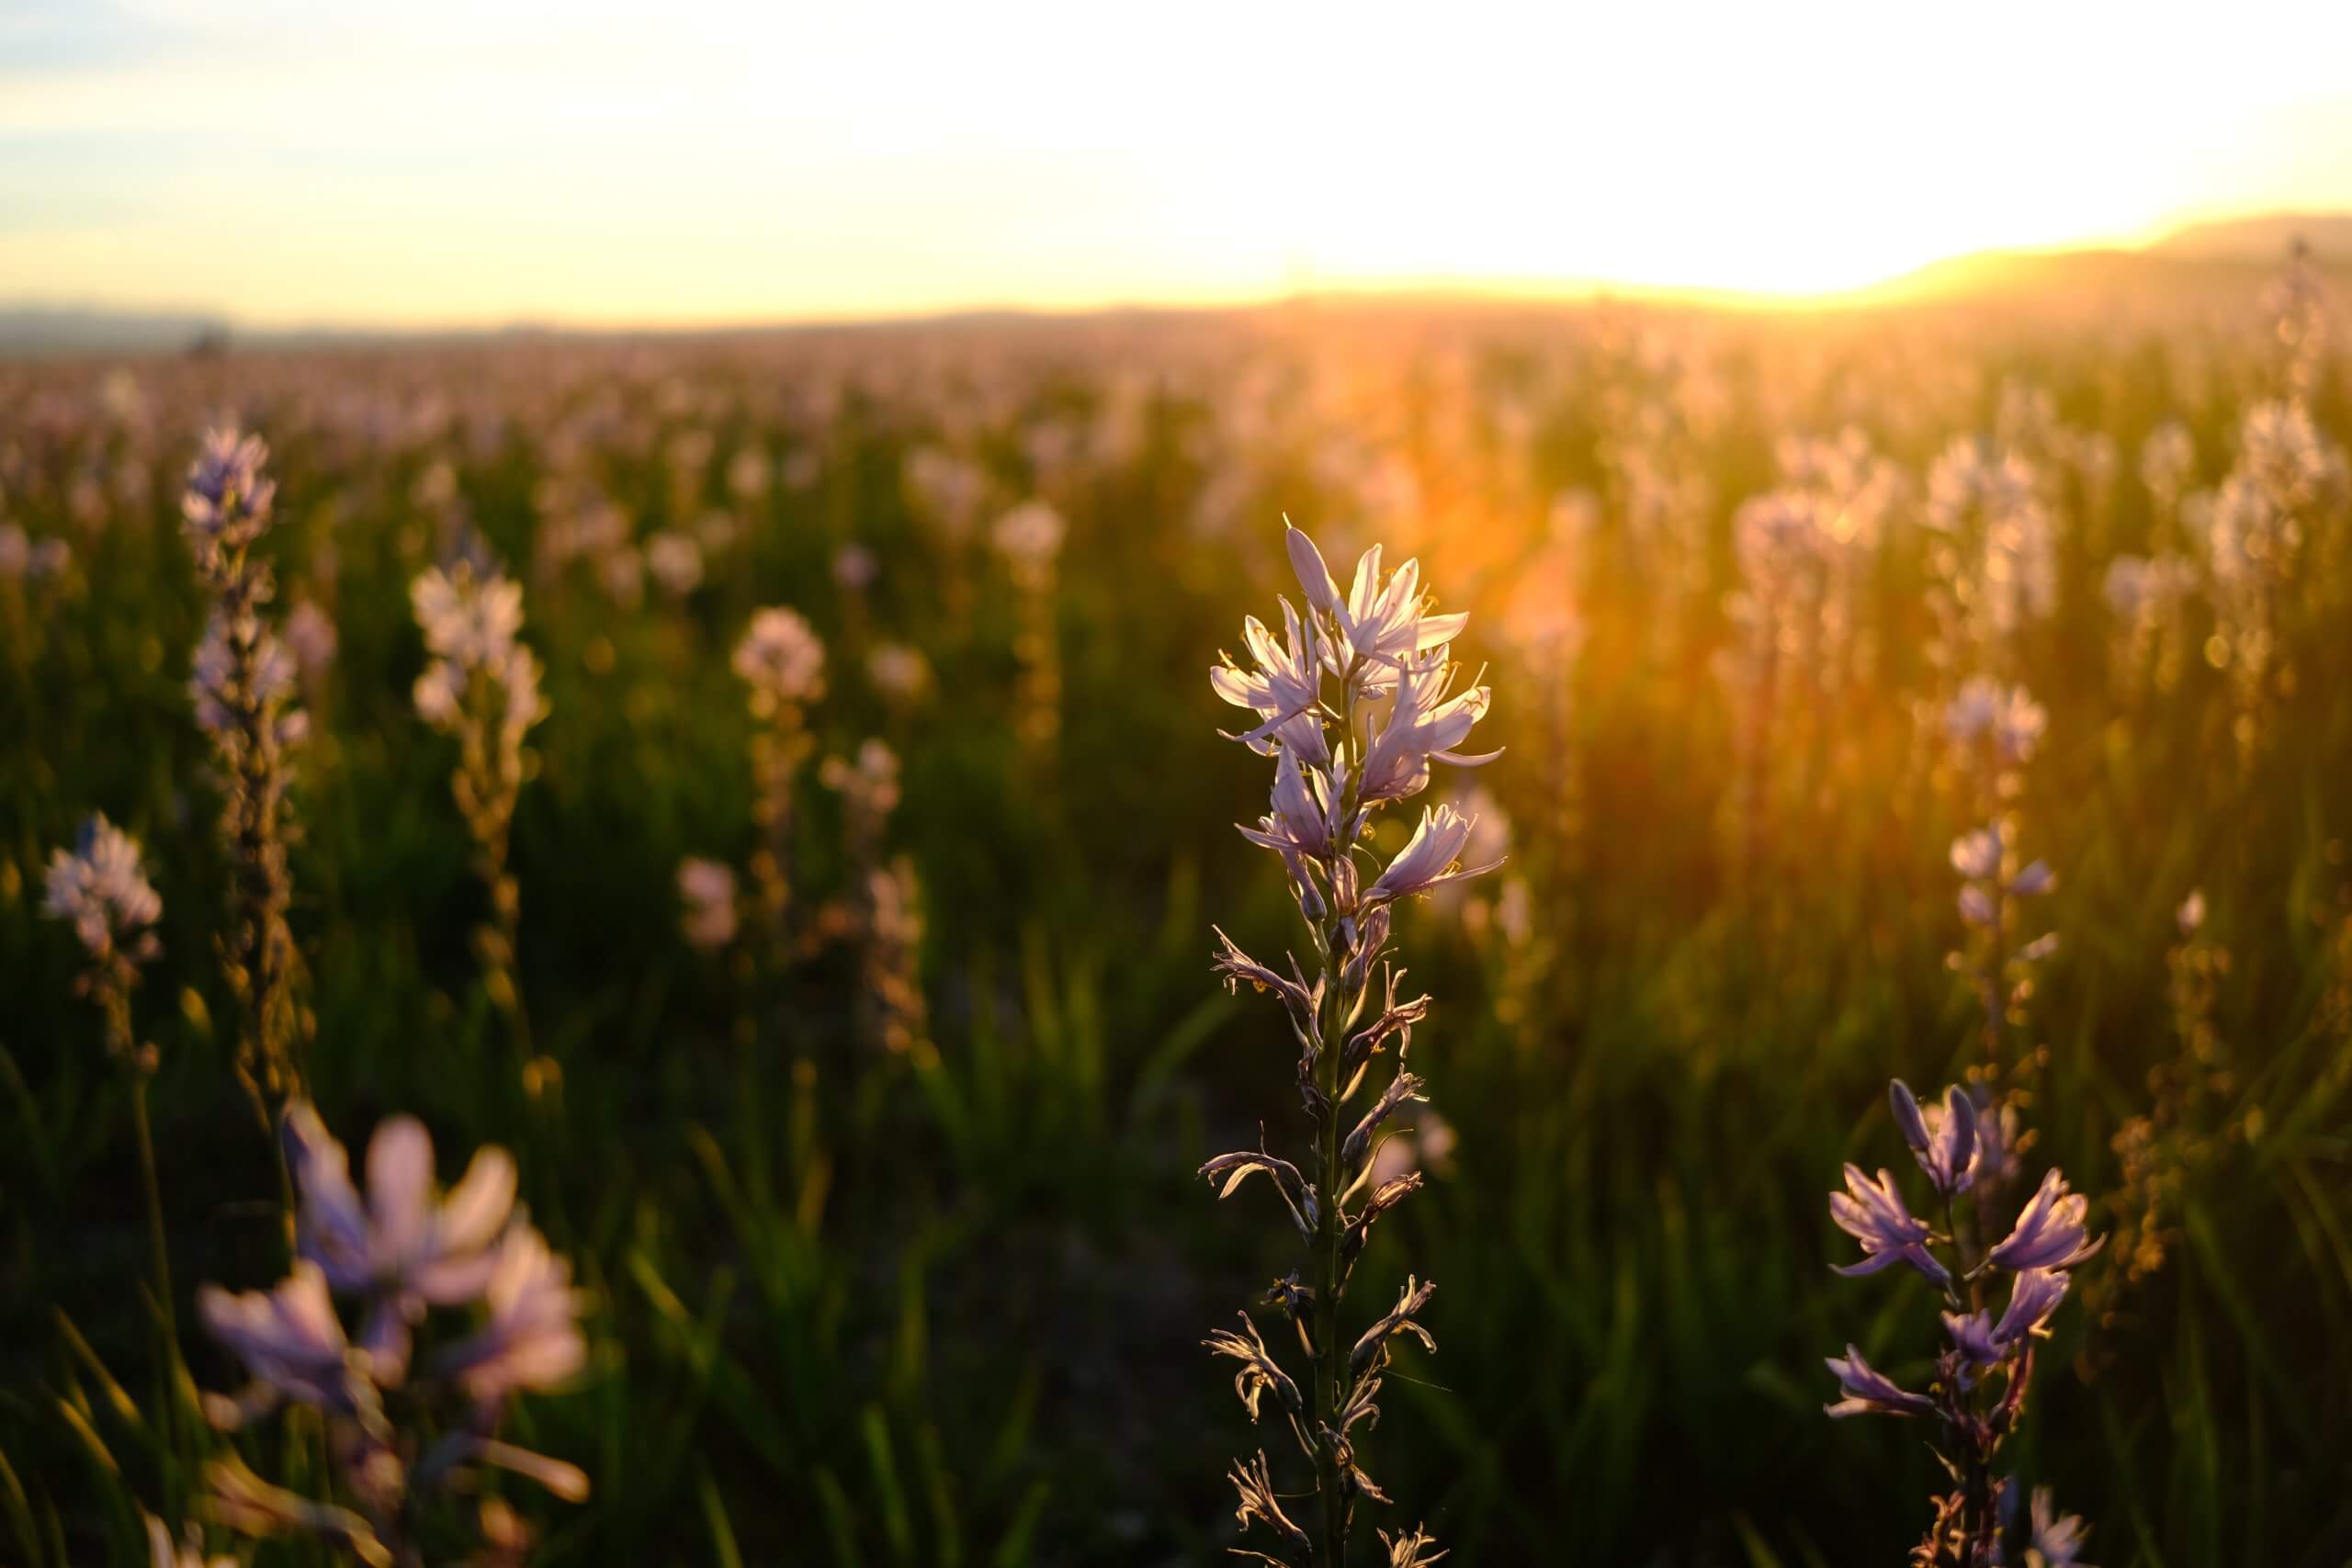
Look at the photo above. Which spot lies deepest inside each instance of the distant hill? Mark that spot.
(45, 329)
(2227, 260)
(2265, 239)
(2222, 260)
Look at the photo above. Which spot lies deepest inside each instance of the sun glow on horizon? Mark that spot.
(457, 164)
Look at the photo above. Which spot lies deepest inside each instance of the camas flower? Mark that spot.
(1381, 622)
(471, 623)
(898, 672)
(226, 503)
(2050, 1232)
(1429, 859)
(1306, 819)
(532, 1339)
(780, 657)
(1977, 855)
(1285, 690)
(1983, 1341)
(100, 889)
(1259, 1373)
(288, 1338)
(1425, 724)
(213, 674)
(311, 636)
(1030, 535)
(401, 1247)
(706, 888)
(1873, 1213)
(2056, 1540)
(2007, 715)
(1869, 1391)
(1943, 1138)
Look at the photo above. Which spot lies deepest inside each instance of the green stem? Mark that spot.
(161, 1261)
(1329, 1234)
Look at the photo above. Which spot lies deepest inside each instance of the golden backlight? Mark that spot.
(463, 163)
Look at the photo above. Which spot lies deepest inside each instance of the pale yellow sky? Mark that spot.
(469, 162)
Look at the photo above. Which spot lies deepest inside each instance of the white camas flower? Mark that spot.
(471, 623)
(1030, 535)
(898, 672)
(780, 657)
(1306, 815)
(870, 782)
(1339, 755)
(471, 627)
(1283, 691)
(675, 562)
(1430, 858)
(1381, 622)
(1426, 722)
(100, 889)
(706, 890)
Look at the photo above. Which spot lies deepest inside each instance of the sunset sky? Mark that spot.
(469, 162)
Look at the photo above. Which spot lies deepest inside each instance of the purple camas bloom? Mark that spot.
(1873, 1213)
(1869, 1391)
(1983, 1378)
(2057, 1540)
(2032, 1299)
(241, 685)
(2006, 718)
(226, 504)
(267, 670)
(402, 1247)
(1983, 1341)
(289, 1338)
(1943, 1138)
(1354, 702)
(532, 1339)
(2050, 1232)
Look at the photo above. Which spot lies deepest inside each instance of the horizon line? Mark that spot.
(1456, 288)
